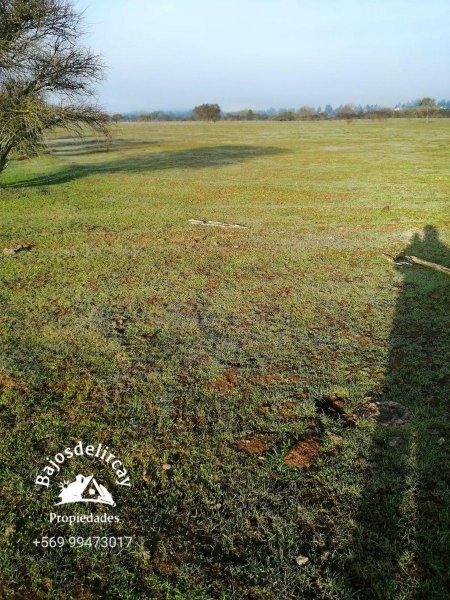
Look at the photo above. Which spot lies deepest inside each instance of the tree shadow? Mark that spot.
(196, 158)
(66, 147)
(401, 551)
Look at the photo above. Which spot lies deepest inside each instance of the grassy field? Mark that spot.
(203, 355)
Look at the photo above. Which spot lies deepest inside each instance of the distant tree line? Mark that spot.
(424, 107)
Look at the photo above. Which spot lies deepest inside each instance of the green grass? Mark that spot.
(126, 325)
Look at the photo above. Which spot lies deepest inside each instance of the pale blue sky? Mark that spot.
(174, 54)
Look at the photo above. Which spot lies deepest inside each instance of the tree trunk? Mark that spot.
(3, 159)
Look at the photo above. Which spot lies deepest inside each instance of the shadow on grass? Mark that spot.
(66, 147)
(401, 550)
(197, 158)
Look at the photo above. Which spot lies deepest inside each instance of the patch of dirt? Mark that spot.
(107, 237)
(368, 410)
(334, 406)
(337, 441)
(398, 287)
(165, 566)
(286, 410)
(435, 294)
(393, 413)
(386, 414)
(267, 379)
(8, 383)
(362, 340)
(305, 452)
(225, 382)
(148, 337)
(315, 426)
(198, 421)
(284, 292)
(255, 444)
(231, 376)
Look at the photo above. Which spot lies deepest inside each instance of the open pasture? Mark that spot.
(204, 355)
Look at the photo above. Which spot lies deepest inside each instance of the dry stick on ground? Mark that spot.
(419, 261)
(216, 224)
(427, 263)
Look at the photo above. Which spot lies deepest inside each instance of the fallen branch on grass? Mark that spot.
(17, 249)
(413, 260)
(216, 224)
(427, 263)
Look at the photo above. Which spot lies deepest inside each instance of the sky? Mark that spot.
(175, 54)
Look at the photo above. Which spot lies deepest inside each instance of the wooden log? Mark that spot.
(427, 263)
(413, 260)
(216, 224)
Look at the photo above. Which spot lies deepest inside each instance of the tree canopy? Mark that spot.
(46, 74)
(207, 112)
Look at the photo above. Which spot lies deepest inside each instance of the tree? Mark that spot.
(117, 117)
(305, 112)
(285, 115)
(207, 112)
(46, 76)
(246, 114)
(426, 106)
(427, 103)
(346, 111)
